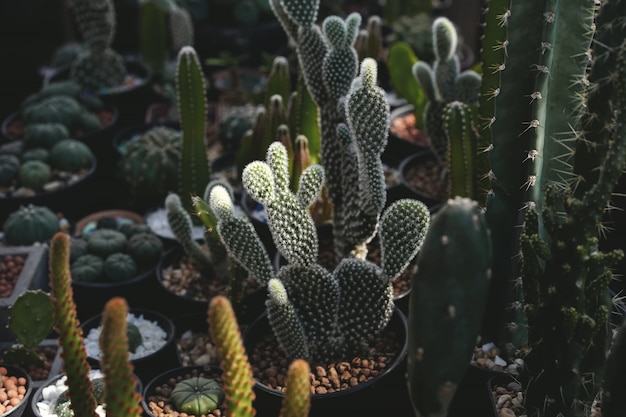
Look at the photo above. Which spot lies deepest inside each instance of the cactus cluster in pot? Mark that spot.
(121, 397)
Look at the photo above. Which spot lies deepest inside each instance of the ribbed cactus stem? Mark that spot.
(297, 401)
(446, 304)
(278, 81)
(121, 397)
(153, 36)
(75, 365)
(96, 23)
(614, 390)
(195, 172)
(238, 380)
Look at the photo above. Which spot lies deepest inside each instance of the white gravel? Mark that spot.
(51, 393)
(153, 338)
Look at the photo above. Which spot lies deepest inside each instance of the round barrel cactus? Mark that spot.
(104, 242)
(44, 135)
(36, 154)
(30, 224)
(120, 267)
(130, 229)
(34, 174)
(134, 337)
(9, 167)
(145, 249)
(99, 71)
(150, 164)
(61, 109)
(71, 155)
(78, 248)
(197, 396)
(87, 268)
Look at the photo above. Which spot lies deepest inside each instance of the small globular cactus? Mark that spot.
(71, 155)
(197, 396)
(30, 224)
(34, 174)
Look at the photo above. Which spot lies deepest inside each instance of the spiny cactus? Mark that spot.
(448, 297)
(238, 380)
(121, 396)
(71, 155)
(30, 224)
(100, 66)
(313, 312)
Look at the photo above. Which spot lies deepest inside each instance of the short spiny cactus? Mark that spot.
(30, 224)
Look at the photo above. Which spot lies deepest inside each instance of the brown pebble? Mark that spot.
(506, 412)
(320, 371)
(321, 390)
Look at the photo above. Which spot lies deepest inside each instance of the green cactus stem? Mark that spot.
(297, 401)
(197, 396)
(30, 224)
(74, 356)
(446, 304)
(194, 169)
(34, 174)
(238, 380)
(613, 392)
(121, 396)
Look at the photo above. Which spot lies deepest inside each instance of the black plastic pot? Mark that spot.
(175, 374)
(386, 394)
(19, 409)
(146, 367)
(38, 396)
(411, 161)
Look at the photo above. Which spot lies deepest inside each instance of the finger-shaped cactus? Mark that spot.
(238, 380)
(194, 169)
(74, 355)
(446, 304)
(297, 401)
(123, 399)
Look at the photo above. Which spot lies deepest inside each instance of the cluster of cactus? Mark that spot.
(315, 314)
(551, 104)
(30, 224)
(120, 394)
(238, 380)
(150, 165)
(116, 253)
(353, 118)
(99, 67)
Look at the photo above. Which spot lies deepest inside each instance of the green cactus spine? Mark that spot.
(74, 355)
(238, 380)
(121, 396)
(446, 304)
(195, 172)
(30, 224)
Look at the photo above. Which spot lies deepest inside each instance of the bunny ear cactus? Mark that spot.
(121, 396)
(446, 304)
(195, 172)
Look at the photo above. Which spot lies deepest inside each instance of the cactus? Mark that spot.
(234, 124)
(9, 168)
(87, 268)
(44, 135)
(30, 224)
(613, 388)
(61, 108)
(104, 242)
(121, 396)
(145, 248)
(71, 155)
(447, 300)
(30, 321)
(308, 306)
(197, 395)
(100, 66)
(194, 169)
(369, 42)
(36, 154)
(120, 267)
(297, 400)
(238, 381)
(150, 164)
(34, 174)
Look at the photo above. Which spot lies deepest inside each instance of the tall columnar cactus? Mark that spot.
(450, 115)
(316, 314)
(195, 171)
(119, 381)
(535, 57)
(238, 380)
(99, 67)
(74, 355)
(329, 65)
(124, 399)
(447, 301)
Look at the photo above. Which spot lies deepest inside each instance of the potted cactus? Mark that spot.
(117, 387)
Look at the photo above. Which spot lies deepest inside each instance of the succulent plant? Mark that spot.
(30, 224)
(34, 174)
(63, 109)
(36, 154)
(121, 397)
(9, 168)
(44, 135)
(150, 165)
(145, 248)
(197, 396)
(87, 268)
(104, 242)
(120, 267)
(71, 155)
